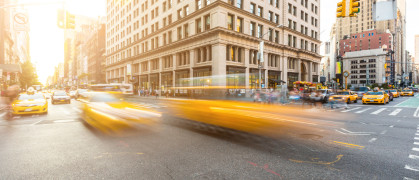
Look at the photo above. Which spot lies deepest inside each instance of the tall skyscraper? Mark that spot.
(365, 21)
(163, 43)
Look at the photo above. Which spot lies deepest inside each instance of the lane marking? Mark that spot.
(348, 145)
(351, 109)
(36, 122)
(372, 140)
(63, 121)
(413, 168)
(77, 109)
(416, 143)
(416, 113)
(392, 126)
(401, 103)
(378, 111)
(383, 132)
(361, 111)
(415, 149)
(416, 138)
(395, 112)
(406, 178)
(413, 157)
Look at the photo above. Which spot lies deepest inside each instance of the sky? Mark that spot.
(47, 40)
(328, 17)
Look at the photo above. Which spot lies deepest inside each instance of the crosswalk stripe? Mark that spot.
(416, 138)
(361, 111)
(395, 112)
(413, 168)
(415, 149)
(351, 109)
(413, 156)
(416, 143)
(378, 111)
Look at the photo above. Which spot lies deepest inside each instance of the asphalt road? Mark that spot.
(377, 142)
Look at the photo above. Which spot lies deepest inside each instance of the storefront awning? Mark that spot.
(10, 68)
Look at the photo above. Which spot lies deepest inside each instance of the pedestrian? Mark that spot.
(157, 94)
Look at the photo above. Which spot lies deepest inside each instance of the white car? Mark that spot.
(60, 97)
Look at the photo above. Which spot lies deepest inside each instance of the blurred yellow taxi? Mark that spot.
(108, 113)
(407, 92)
(376, 97)
(344, 96)
(254, 118)
(395, 93)
(30, 103)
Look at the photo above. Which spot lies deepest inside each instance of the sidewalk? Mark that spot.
(2, 103)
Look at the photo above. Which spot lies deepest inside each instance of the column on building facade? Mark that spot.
(284, 65)
(310, 71)
(265, 66)
(191, 64)
(149, 73)
(219, 62)
(246, 64)
(299, 68)
(174, 69)
(160, 70)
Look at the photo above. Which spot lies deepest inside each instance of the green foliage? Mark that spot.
(28, 76)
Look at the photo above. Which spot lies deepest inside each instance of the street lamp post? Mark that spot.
(261, 46)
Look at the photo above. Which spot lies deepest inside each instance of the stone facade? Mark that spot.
(187, 41)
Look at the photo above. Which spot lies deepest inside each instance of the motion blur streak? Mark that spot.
(255, 118)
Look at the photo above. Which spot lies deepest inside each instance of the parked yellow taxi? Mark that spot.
(344, 96)
(109, 114)
(407, 92)
(375, 97)
(395, 93)
(30, 103)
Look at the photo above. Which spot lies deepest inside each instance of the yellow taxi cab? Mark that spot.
(30, 103)
(407, 92)
(375, 97)
(109, 114)
(395, 93)
(344, 96)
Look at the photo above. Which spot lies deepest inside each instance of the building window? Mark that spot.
(270, 34)
(276, 18)
(271, 16)
(239, 4)
(277, 36)
(198, 25)
(260, 31)
(186, 10)
(252, 8)
(198, 4)
(239, 25)
(230, 21)
(179, 33)
(186, 30)
(260, 11)
(235, 53)
(252, 29)
(207, 22)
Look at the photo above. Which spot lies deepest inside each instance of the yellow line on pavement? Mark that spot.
(348, 145)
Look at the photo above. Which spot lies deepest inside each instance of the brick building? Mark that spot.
(366, 40)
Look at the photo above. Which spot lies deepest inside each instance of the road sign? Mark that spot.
(20, 21)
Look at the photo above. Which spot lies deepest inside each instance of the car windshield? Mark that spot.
(60, 93)
(103, 98)
(360, 89)
(343, 93)
(374, 93)
(407, 90)
(30, 97)
(393, 90)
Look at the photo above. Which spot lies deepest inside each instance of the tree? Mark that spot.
(28, 76)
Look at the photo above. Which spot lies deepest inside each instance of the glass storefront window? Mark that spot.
(254, 78)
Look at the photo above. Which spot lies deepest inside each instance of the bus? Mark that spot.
(126, 89)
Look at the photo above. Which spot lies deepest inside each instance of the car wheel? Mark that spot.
(356, 101)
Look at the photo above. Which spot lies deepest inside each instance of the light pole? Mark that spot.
(261, 46)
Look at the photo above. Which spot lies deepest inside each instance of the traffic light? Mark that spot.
(61, 18)
(353, 7)
(341, 10)
(70, 21)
